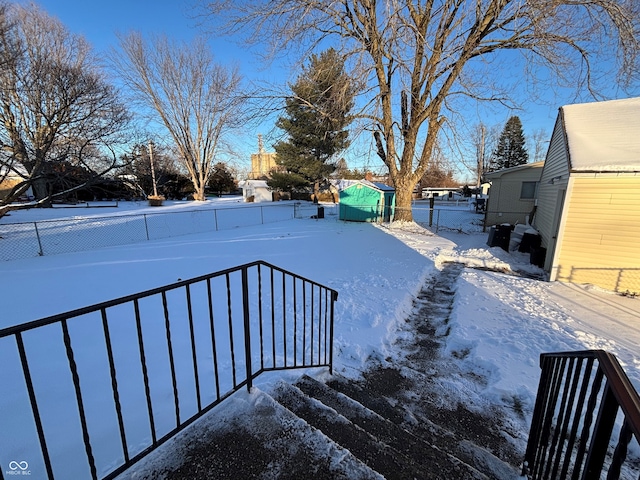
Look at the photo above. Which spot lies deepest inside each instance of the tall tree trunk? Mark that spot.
(41, 192)
(404, 194)
(199, 194)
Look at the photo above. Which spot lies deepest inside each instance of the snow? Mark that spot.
(501, 320)
(602, 136)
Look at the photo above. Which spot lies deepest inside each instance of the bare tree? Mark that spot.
(539, 142)
(57, 112)
(421, 57)
(198, 101)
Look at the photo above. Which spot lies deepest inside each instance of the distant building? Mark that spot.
(255, 191)
(512, 196)
(263, 163)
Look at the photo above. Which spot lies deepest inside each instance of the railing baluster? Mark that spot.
(114, 384)
(334, 297)
(588, 420)
(34, 405)
(304, 325)
(284, 317)
(321, 323)
(620, 453)
(295, 323)
(145, 373)
(214, 350)
(313, 322)
(78, 391)
(172, 366)
(247, 327)
(260, 319)
(230, 319)
(193, 347)
(273, 319)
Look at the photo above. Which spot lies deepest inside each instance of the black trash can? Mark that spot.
(529, 242)
(499, 236)
(537, 256)
(320, 212)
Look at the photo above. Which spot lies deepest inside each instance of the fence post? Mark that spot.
(40, 250)
(261, 216)
(432, 201)
(334, 298)
(247, 326)
(215, 217)
(146, 227)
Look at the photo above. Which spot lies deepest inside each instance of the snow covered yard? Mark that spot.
(500, 324)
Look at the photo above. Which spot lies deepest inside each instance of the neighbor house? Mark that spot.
(512, 196)
(588, 211)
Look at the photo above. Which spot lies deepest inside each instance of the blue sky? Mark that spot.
(99, 21)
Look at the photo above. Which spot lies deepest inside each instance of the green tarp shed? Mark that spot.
(366, 201)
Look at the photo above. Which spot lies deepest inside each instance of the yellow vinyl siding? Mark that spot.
(601, 235)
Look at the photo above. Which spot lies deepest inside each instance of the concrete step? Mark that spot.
(372, 451)
(460, 433)
(428, 460)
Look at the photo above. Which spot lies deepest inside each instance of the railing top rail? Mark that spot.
(618, 381)
(147, 293)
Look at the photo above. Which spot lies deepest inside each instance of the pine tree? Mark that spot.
(315, 120)
(511, 150)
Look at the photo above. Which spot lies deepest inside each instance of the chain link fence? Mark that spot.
(315, 210)
(462, 218)
(51, 237)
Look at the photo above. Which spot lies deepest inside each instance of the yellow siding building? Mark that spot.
(588, 212)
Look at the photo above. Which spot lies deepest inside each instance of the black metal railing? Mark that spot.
(96, 389)
(581, 398)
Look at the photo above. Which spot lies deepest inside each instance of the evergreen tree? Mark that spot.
(315, 121)
(511, 150)
(221, 179)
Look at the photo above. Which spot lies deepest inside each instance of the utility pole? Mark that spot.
(153, 170)
(480, 155)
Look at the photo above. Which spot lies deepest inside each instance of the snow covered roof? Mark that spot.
(344, 184)
(253, 183)
(377, 185)
(603, 136)
(517, 168)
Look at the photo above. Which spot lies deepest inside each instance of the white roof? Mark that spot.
(517, 168)
(253, 183)
(604, 136)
